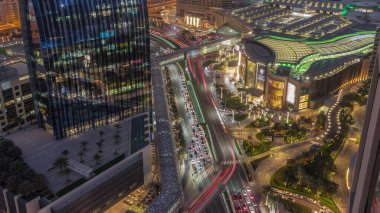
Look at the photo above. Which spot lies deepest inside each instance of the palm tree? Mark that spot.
(67, 172)
(100, 144)
(84, 145)
(117, 128)
(117, 142)
(267, 188)
(81, 154)
(101, 133)
(61, 163)
(97, 158)
(65, 153)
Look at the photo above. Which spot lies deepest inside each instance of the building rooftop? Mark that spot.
(21, 67)
(309, 56)
(12, 71)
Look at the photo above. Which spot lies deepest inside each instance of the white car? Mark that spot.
(248, 189)
(251, 209)
(248, 200)
(244, 192)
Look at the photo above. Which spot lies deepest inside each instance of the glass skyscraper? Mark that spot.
(89, 61)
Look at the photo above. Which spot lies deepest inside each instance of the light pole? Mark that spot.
(221, 92)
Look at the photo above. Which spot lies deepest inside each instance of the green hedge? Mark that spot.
(327, 201)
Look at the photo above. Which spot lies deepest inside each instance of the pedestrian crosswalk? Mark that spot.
(230, 162)
(204, 174)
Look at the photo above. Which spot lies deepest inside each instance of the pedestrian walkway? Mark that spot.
(202, 175)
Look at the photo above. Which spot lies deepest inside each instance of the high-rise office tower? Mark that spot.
(365, 190)
(88, 61)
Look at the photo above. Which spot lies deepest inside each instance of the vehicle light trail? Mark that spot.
(220, 180)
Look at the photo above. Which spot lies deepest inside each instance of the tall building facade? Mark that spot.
(199, 13)
(96, 60)
(9, 12)
(365, 190)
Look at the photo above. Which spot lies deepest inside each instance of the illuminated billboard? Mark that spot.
(261, 76)
(291, 95)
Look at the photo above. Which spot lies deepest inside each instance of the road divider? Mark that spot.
(196, 105)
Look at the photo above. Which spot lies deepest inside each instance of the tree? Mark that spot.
(61, 163)
(81, 154)
(100, 145)
(67, 172)
(289, 176)
(117, 142)
(302, 120)
(321, 120)
(329, 188)
(267, 188)
(101, 133)
(97, 158)
(84, 145)
(14, 152)
(65, 153)
(118, 126)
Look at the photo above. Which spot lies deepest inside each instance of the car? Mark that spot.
(244, 207)
(238, 208)
(208, 159)
(237, 197)
(204, 161)
(192, 161)
(251, 196)
(244, 192)
(191, 156)
(248, 189)
(247, 200)
(251, 209)
(206, 153)
(192, 141)
(189, 149)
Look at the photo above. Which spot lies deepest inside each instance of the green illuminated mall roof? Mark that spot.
(301, 54)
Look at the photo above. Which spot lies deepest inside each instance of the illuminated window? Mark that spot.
(302, 105)
(304, 98)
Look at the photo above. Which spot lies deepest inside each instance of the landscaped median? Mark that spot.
(196, 105)
(277, 184)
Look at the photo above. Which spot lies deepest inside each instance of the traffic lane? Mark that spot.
(217, 205)
(211, 115)
(268, 166)
(193, 149)
(212, 118)
(238, 179)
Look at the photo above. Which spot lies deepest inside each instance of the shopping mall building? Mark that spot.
(298, 74)
(298, 52)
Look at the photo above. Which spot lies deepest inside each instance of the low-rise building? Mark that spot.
(16, 103)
